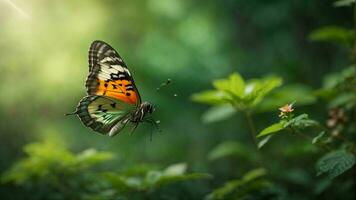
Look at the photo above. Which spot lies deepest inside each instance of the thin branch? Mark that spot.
(251, 127)
(308, 138)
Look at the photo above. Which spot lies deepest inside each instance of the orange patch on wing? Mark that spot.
(118, 89)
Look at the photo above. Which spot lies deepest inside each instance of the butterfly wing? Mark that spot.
(104, 114)
(109, 76)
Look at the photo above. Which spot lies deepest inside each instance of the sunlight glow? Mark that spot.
(18, 9)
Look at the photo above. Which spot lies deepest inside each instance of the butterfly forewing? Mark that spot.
(109, 75)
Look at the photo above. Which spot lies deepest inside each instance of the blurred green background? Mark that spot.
(43, 67)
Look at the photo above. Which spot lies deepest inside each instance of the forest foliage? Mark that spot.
(231, 130)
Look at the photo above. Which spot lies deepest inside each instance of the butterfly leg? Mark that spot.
(133, 128)
(153, 123)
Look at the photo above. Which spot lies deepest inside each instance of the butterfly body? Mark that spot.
(140, 113)
(113, 100)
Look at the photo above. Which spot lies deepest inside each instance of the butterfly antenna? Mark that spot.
(164, 84)
(73, 113)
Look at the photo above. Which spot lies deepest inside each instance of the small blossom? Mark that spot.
(336, 116)
(335, 132)
(336, 121)
(285, 110)
(331, 123)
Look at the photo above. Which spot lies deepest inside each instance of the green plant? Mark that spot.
(51, 171)
(252, 185)
(235, 94)
(335, 139)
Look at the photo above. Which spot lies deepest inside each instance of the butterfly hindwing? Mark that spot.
(109, 76)
(104, 114)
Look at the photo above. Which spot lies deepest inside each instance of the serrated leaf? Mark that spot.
(272, 129)
(301, 121)
(268, 84)
(335, 163)
(234, 84)
(257, 89)
(218, 113)
(293, 120)
(236, 92)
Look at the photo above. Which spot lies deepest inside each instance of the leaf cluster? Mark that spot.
(68, 175)
(234, 90)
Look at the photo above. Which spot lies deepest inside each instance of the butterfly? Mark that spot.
(113, 100)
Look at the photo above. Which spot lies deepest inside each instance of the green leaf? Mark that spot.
(234, 84)
(51, 158)
(236, 92)
(322, 185)
(139, 169)
(257, 89)
(228, 148)
(318, 138)
(341, 3)
(213, 97)
(335, 163)
(175, 169)
(301, 121)
(165, 179)
(333, 34)
(264, 141)
(172, 174)
(218, 113)
(342, 100)
(272, 129)
(251, 182)
(152, 177)
(254, 174)
(90, 157)
(42, 158)
(122, 183)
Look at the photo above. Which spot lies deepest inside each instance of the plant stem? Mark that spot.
(253, 134)
(251, 127)
(308, 138)
(353, 51)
